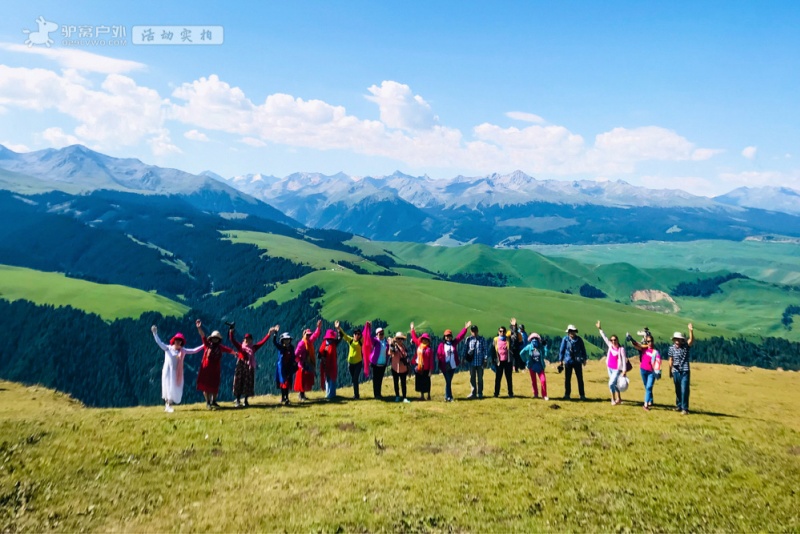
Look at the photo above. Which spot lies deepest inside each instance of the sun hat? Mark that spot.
(572, 328)
(622, 383)
(678, 335)
(177, 336)
(285, 335)
(399, 335)
(426, 337)
(378, 330)
(248, 335)
(215, 334)
(534, 336)
(330, 334)
(448, 333)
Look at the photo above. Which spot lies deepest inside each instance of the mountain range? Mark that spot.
(498, 209)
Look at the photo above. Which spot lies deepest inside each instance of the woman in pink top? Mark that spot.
(616, 363)
(649, 366)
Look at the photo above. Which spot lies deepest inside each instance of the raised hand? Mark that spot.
(154, 329)
(412, 326)
(690, 327)
(336, 324)
(275, 328)
(597, 324)
(469, 323)
(198, 323)
(513, 321)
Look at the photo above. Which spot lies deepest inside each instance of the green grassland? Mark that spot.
(439, 305)
(497, 465)
(771, 262)
(106, 300)
(297, 250)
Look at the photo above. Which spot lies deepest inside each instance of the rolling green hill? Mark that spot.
(497, 465)
(771, 262)
(106, 300)
(437, 305)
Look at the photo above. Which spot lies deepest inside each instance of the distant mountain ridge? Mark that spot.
(782, 199)
(77, 169)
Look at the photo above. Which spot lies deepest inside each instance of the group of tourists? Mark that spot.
(371, 352)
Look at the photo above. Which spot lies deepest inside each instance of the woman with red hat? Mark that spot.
(306, 357)
(210, 368)
(328, 363)
(244, 378)
(447, 354)
(172, 372)
(423, 362)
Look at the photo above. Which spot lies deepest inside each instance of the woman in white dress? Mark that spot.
(172, 372)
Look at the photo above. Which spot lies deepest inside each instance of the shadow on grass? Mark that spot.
(671, 408)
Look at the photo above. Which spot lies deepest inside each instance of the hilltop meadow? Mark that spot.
(502, 464)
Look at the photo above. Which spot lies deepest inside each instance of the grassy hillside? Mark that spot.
(501, 465)
(438, 305)
(106, 300)
(297, 250)
(771, 262)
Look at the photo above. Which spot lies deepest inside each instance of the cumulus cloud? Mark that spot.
(161, 144)
(15, 147)
(57, 138)
(79, 60)
(761, 179)
(749, 152)
(525, 117)
(195, 135)
(400, 108)
(252, 141)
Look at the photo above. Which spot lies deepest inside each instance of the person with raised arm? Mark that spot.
(354, 356)
(649, 365)
(376, 350)
(534, 354)
(244, 377)
(172, 372)
(306, 357)
(329, 363)
(398, 354)
(616, 363)
(503, 356)
(572, 357)
(477, 356)
(447, 355)
(210, 368)
(286, 366)
(679, 357)
(423, 363)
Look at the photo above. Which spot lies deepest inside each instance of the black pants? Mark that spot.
(377, 380)
(503, 367)
(401, 379)
(355, 372)
(568, 368)
(284, 394)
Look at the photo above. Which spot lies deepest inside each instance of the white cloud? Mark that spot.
(400, 108)
(15, 147)
(161, 144)
(56, 138)
(196, 135)
(761, 179)
(79, 60)
(252, 141)
(525, 117)
(750, 152)
(645, 143)
(694, 184)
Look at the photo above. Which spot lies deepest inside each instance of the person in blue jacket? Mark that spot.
(572, 357)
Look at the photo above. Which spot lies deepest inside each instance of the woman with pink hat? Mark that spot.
(535, 354)
(210, 369)
(423, 362)
(172, 372)
(447, 355)
(328, 363)
(244, 377)
(306, 357)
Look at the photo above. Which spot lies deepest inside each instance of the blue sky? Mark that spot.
(701, 96)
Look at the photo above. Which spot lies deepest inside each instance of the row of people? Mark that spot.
(371, 353)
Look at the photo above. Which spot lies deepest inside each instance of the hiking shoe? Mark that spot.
(237, 403)
(215, 405)
(406, 401)
(546, 398)
(471, 396)
(684, 412)
(169, 409)
(246, 404)
(397, 399)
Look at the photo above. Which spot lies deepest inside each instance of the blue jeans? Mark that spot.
(681, 379)
(448, 382)
(649, 378)
(330, 388)
(613, 376)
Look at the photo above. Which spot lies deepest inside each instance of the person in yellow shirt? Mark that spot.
(354, 357)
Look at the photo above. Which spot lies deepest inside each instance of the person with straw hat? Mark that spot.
(398, 353)
(210, 369)
(572, 358)
(172, 372)
(679, 356)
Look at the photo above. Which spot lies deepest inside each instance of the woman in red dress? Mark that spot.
(306, 357)
(209, 374)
